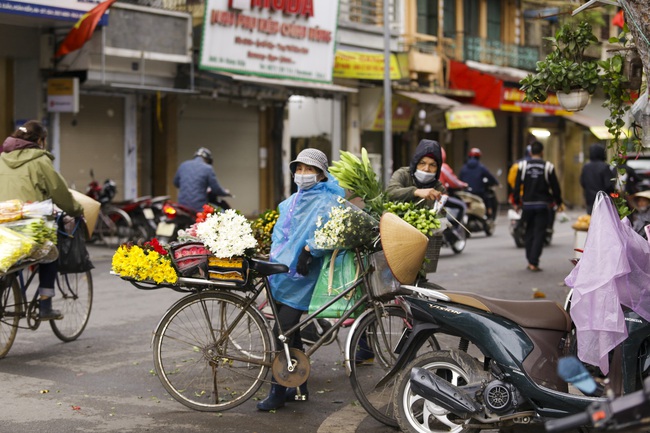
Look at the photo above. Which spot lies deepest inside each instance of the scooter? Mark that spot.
(518, 227)
(455, 234)
(511, 380)
(176, 216)
(477, 219)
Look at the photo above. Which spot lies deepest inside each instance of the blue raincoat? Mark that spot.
(295, 227)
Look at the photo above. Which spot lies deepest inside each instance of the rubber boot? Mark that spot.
(45, 311)
(275, 399)
(297, 394)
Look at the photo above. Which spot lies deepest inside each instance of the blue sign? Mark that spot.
(64, 10)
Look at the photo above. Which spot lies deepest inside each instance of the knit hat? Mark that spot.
(313, 157)
(404, 247)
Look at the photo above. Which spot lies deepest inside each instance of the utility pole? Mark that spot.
(388, 103)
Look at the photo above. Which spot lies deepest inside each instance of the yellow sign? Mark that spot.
(470, 118)
(63, 95)
(364, 66)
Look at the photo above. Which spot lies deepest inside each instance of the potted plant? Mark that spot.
(565, 70)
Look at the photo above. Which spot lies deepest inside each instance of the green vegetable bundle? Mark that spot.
(420, 217)
(358, 176)
(37, 229)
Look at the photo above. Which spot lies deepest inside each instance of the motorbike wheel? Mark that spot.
(456, 238)
(518, 235)
(415, 414)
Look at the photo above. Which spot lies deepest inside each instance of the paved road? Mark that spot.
(103, 382)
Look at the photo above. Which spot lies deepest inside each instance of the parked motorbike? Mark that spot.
(518, 227)
(629, 412)
(514, 380)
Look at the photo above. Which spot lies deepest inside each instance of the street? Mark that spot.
(104, 381)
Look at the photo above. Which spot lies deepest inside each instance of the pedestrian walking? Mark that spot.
(596, 175)
(536, 191)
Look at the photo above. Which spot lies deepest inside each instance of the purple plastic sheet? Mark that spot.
(614, 270)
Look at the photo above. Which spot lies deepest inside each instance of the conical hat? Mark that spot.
(404, 247)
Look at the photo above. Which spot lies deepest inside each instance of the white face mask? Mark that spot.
(305, 181)
(424, 176)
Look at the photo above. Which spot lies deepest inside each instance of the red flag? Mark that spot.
(83, 29)
(619, 20)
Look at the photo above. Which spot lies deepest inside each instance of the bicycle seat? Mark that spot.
(267, 268)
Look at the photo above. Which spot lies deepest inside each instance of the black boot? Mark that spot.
(297, 394)
(45, 311)
(275, 399)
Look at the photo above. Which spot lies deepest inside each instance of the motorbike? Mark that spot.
(455, 234)
(509, 379)
(175, 217)
(629, 412)
(518, 227)
(477, 218)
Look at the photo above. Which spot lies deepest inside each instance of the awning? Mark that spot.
(469, 116)
(596, 126)
(292, 84)
(431, 99)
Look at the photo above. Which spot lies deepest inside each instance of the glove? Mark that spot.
(304, 259)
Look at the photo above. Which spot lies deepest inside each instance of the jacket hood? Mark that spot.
(12, 143)
(427, 147)
(597, 152)
(473, 163)
(19, 157)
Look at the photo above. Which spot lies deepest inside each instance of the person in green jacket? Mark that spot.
(421, 179)
(27, 174)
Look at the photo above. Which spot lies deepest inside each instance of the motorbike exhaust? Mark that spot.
(433, 388)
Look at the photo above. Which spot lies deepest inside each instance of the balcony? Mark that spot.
(500, 54)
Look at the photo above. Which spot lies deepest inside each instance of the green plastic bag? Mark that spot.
(338, 273)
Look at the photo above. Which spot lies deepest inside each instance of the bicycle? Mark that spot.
(214, 348)
(74, 296)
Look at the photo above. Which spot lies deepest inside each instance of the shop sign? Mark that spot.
(63, 95)
(282, 38)
(364, 66)
(403, 110)
(64, 10)
(459, 118)
(512, 99)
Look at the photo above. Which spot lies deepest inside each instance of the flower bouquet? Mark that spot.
(149, 262)
(346, 227)
(227, 234)
(262, 229)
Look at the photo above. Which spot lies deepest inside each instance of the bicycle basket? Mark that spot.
(382, 280)
(432, 253)
(233, 269)
(188, 257)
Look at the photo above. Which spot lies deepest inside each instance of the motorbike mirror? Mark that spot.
(574, 372)
(499, 172)
(92, 174)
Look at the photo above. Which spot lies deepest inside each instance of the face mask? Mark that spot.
(424, 177)
(305, 181)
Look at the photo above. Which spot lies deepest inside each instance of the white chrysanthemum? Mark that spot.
(226, 234)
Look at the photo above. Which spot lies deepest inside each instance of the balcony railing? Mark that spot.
(500, 54)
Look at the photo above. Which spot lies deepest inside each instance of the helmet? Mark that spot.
(474, 152)
(205, 153)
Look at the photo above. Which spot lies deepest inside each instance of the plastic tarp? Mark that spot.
(614, 270)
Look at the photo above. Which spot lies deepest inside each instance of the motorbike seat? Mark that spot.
(540, 314)
(268, 268)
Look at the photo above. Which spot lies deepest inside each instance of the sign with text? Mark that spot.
(64, 10)
(280, 38)
(364, 66)
(63, 95)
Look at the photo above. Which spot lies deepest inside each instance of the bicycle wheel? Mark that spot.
(10, 309)
(116, 227)
(210, 353)
(74, 298)
(366, 372)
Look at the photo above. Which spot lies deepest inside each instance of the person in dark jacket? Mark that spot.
(27, 174)
(596, 175)
(421, 179)
(476, 175)
(536, 190)
(194, 177)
